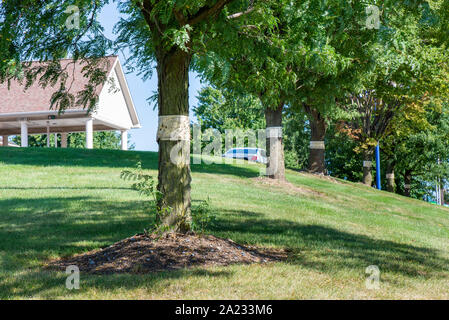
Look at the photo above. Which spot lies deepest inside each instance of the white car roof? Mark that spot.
(244, 149)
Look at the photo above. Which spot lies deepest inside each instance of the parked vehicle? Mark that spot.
(250, 154)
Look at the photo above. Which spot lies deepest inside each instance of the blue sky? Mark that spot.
(144, 138)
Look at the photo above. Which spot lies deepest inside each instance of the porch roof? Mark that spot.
(71, 121)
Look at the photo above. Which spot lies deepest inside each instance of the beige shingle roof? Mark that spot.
(34, 99)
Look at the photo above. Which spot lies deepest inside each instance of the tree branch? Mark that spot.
(206, 11)
(239, 14)
(151, 21)
(91, 22)
(180, 17)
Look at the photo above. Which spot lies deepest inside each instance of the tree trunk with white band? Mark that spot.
(318, 128)
(174, 149)
(367, 167)
(275, 145)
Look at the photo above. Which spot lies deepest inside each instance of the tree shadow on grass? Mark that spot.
(50, 285)
(63, 188)
(48, 226)
(328, 249)
(244, 171)
(33, 231)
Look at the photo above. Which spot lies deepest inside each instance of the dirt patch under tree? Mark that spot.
(171, 251)
(285, 186)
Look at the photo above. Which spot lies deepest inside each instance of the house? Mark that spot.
(24, 112)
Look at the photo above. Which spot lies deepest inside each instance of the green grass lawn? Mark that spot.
(55, 203)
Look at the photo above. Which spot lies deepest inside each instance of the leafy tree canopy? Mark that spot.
(222, 110)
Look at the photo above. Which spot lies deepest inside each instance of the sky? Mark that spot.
(144, 138)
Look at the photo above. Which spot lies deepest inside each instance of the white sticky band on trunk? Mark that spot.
(274, 132)
(390, 175)
(407, 186)
(173, 128)
(317, 145)
(367, 164)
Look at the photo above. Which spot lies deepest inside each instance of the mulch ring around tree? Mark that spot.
(171, 251)
(285, 186)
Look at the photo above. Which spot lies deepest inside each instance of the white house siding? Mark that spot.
(112, 105)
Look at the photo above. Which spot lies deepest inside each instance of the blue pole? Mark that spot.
(378, 167)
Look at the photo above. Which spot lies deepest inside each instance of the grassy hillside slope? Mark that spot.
(56, 203)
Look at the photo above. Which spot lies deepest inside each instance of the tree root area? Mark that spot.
(170, 251)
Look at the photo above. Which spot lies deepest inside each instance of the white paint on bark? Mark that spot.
(317, 145)
(367, 164)
(274, 132)
(173, 128)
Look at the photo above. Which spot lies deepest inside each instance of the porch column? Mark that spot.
(64, 140)
(90, 134)
(5, 141)
(125, 140)
(56, 140)
(48, 137)
(24, 133)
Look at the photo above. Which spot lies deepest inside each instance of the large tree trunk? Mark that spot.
(391, 185)
(407, 182)
(275, 146)
(318, 127)
(174, 152)
(367, 167)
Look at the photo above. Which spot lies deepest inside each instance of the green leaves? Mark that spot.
(224, 109)
(144, 184)
(178, 37)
